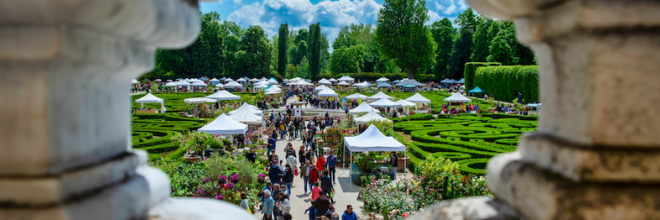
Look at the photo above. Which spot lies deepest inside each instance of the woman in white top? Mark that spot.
(244, 201)
(284, 205)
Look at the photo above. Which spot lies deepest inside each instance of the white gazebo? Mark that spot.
(224, 125)
(272, 81)
(386, 85)
(219, 85)
(198, 84)
(405, 103)
(417, 98)
(373, 115)
(457, 97)
(361, 85)
(248, 108)
(362, 108)
(380, 95)
(384, 102)
(199, 100)
(328, 93)
(382, 80)
(343, 83)
(233, 85)
(321, 88)
(223, 95)
(346, 78)
(274, 89)
(245, 116)
(149, 98)
(332, 80)
(325, 82)
(372, 140)
(171, 84)
(356, 96)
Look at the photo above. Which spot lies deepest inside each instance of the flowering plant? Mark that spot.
(234, 178)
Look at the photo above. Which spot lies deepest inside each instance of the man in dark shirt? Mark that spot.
(251, 156)
(326, 184)
(394, 161)
(321, 204)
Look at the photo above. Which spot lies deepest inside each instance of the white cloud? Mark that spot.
(433, 16)
(237, 1)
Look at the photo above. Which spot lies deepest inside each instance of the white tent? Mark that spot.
(198, 83)
(244, 116)
(382, 80)
(183, 83)
(223, 95)
(229, 80)
(247, 108)
(241, 80)
(328, 93)
(380, 95)
(233, 85)
(171, 84)
(356, 96)
(371, 116)
(384, 85)
(254, 80)
(219, 85)
(332, 80)
(409, 81)
(325, 82)
(405, 103)
(300, 83)
(199, 100)
(362, 84)
(457, 97)
(362, 108)
(417, 98)
(383, 102)
(273, 90)
(296, 79)
(260, 86)
(134, 81)
(342, 83)
(149, 98)
(272, 81)
(346, 78)
(320, 88)
(224, 125)
(373, 140)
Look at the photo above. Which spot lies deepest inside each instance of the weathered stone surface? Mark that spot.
(579, 163)
(127, 200)
(59, 188)
(471, 208)
(538, 194)
(197, 209)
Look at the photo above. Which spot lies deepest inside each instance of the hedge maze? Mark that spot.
(469, 140)
(152, 132)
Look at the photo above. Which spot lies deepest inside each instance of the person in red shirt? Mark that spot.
(313, 175)
(320, 163)
(315, 191)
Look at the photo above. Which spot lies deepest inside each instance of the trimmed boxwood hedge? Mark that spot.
(471, 69)
(469, 140)
(503, 82)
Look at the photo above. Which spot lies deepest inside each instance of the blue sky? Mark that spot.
(332, 14)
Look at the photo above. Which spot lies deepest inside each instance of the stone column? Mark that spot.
(596, 152)
(65, 72)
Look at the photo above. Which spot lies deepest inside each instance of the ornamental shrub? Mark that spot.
(504, 82)
(471, 68)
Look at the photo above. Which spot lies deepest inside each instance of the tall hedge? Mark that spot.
(471, 68)
(504, 82)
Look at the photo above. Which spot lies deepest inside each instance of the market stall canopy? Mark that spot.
(462, 80)
(241, 80)
(362, 108)
(300, 83)
(296, 79)
(396, 81)
(261, 85)
(273, 90)
(224, 125)
(245, 116)
(223, 95)
(254, 80)
(477, 90)
(272, 80)
(451, 81)
(342, 83)
(229, 80)
(417, 98)
(361, 85)
(320, 88)
(219, 85)
(372, 115)
(325, 82)
(247, 108)
(203, 78)
(327, 93)
(408, 86)
(405, 103)
(183, 83)
(384, 102)
(171, 84)
(233, 85)
(198, 84)
(149, 98)
(373, 140)
(382, 79)
(223, 78)
(346, 78)
(356, 96)
(332, 80)
(457, 97)
(169, 80)
(199, 100)
(409, 81)
(214, 80)
(384, 85)
(134, 81)
(380, 95)
(445, 81)
(252, 107)
(158, 80)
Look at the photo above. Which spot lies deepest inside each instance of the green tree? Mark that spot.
(443, 34)
(500, 49)
(302, 70)
(347, 60)
(282, 59)
(463, 45)
(257, 52)
(402, 35)
(481, 40)
(315, 50)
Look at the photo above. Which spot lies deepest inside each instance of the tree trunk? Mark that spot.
(411, 75)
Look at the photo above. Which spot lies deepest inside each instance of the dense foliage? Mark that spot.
(504, 82)
(471, 69)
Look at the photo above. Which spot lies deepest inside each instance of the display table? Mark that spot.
(152, 111)
(402, 161)
(356, 175)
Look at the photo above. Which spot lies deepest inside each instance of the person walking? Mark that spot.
(301, 156)
(274, 173)
(305, 172)
(322, 205)
(326, 185)
(245, 204)
(313, 177)
(332, 214)
(272, 142)
(315, 191)
(267, 209)
(288, 178)
(394, 161)
(251, 156)
(331, 164)
(283, 205)
(320, 162)
(349, 214)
